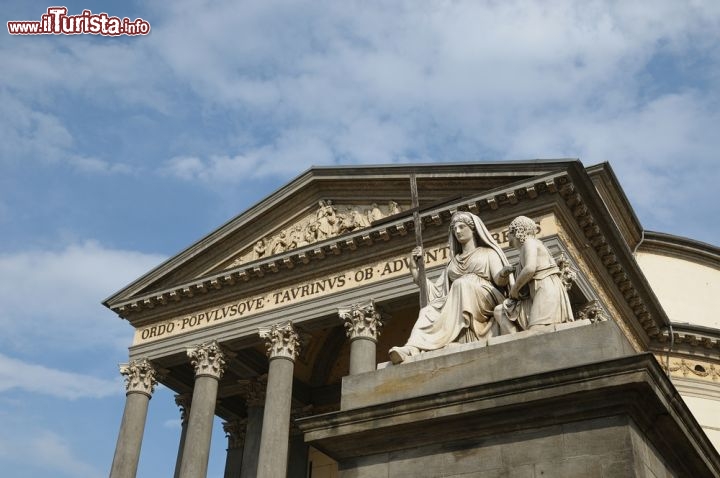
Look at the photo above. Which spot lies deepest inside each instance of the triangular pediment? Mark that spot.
(325, 220)
(327, 203)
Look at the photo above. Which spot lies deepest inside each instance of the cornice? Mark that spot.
(595, 223)
(603, 236)
(694, 337)
(681, 248)
(316, 175)
(365, 238)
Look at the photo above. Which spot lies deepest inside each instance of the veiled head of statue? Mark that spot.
(464, 217)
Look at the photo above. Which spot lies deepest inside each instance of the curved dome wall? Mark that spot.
(676, 281)
(685, 276)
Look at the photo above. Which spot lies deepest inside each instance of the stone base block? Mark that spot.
(463, 365)
(574, 403)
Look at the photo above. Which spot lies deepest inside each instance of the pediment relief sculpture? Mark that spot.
(327, 221)
(480, 295)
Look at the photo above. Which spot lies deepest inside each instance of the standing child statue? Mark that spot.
(538, 298)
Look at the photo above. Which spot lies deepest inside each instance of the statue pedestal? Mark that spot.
(576, 402)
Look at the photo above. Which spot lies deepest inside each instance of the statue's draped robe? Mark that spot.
(548, 301)
(461, 303)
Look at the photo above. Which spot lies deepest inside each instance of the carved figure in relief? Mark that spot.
(538, 298)
(327, 220)
(375, 213)
(259, 249)
(393, 208)
(281, 243)
(461, 302)
(355, 219)
(297, 238)
(343, 223)
(311, 233)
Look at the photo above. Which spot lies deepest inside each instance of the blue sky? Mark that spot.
(118, 152)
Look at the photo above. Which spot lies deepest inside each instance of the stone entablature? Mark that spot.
(684, 367)
(347, 242)
(610, 252)
(342, 280)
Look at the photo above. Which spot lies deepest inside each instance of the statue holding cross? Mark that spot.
(460, 303)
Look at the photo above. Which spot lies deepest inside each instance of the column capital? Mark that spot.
(253, 390)
(235, 432)
(208, 360)
(281, 341)
(183, 402)
(362, 321)
(140, 377)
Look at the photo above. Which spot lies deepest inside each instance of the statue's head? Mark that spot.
(522, 227)
(464, 217)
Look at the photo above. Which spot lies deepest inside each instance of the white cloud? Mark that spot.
(18, 375)
(95, 165)
(45, 450)
(304, 83)
(50, 294)
(28, 134)
(174, 424)
(372, 82)
(293, 149)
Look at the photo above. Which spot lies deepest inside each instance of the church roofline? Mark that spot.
(571, 184)
(399, 226)
(316, 173)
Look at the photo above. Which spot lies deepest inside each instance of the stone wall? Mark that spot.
(602, 448)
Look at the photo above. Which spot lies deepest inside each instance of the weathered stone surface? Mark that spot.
(534, 447)
(585, 466)
(477, 365)
(618, 417)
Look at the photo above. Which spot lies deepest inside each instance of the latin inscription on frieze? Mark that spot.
(342, 281)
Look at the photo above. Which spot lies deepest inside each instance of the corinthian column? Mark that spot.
(140, 381)
(235, 433)
(209, 363)
(362, 325)
(183, 402)
(282, 346)
(253, 391)
(298, 454)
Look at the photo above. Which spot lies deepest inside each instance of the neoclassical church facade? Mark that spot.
(280, 322)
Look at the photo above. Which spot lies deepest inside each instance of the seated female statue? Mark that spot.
(461, 302)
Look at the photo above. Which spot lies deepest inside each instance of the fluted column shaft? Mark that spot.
(283, 345)
(362, 325)
(140, 378)
(209, 362)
